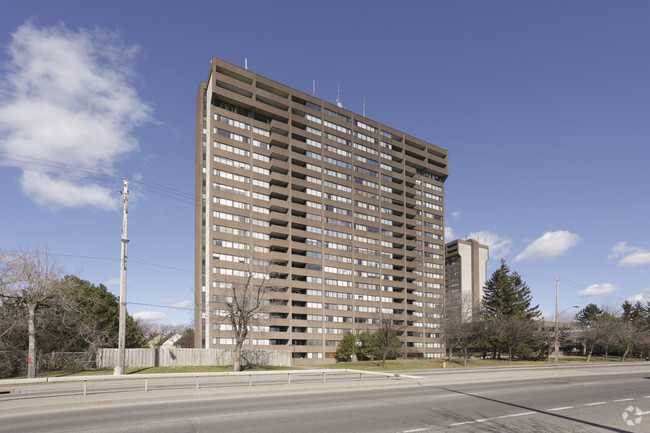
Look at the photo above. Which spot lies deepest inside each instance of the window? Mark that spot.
(231, 135)
(232, 176)
(230, 244)
(338, 151)
(366, 171)
(232, 149)
(232, 122)
(230, 203)
(231, 162)
(261, 131)
(365, 137)
(230, 230)
(336, 115)
(337, 127)
(230, 217)
(365, 148)
(230, 189)
(313, 130)
(261, 157)
(365, 126)
(337, 174)
(313, 143)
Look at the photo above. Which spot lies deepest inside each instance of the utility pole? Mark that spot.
(557, 319)
(121, 345)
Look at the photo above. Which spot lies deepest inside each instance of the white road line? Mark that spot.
(490, 419)
(596, 404)
(516, 414)
(196, 418)
(623, 399)
(555, 409)
(416, 429)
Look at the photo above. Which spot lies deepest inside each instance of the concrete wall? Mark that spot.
(174, 357)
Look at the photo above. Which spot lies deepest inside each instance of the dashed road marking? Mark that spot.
(416, 429)
(555, 409)
(622, 399)
(598, 403)
(516, 414)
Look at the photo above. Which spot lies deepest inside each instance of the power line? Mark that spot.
(55, 164)
(168, 192)
(115, 259)
(164, 306)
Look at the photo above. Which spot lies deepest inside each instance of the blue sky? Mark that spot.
(543, 106)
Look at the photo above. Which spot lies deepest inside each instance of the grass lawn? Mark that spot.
(154, 370)
(416, 364)
(394, 364)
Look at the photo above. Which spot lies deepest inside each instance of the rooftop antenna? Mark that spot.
(338, 96)
(364, 106)
(313, 91)
(246, 63)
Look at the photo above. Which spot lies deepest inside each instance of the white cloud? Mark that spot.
(449, 234)
(150, 316)
(112, 282)
(184, 304)
(598, 289)
(641, 297)
(67, 112)
(456, 214)
(549, 245)
(499, 246)
(633, 256)
(548, 316)
(620, 249)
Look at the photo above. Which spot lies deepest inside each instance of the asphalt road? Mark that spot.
(550, 400)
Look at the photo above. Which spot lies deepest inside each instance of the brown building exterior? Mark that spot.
(465, 277)
(346, 213)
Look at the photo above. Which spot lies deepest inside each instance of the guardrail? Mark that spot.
(322, 375)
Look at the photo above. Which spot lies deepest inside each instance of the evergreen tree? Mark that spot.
(347, 347)
(508, 296)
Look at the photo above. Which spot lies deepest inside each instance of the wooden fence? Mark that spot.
(174, 357)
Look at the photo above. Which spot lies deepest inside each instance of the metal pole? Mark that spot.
(121, 344)
(557, 319)
(85, 387)
(146, 384)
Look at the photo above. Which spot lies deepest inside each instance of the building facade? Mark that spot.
(343, 215)
(465, 277)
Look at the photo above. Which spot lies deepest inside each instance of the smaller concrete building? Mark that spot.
(465, 277)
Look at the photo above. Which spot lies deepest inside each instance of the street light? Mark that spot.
(557, 319)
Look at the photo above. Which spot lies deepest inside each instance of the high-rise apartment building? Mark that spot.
(465, 277)
(344, 214)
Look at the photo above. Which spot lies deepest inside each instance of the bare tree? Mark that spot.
(30, 279)
(243, 303)
(461, 329)
(385, 340)
(156, 332)
(513, 331)
(627, 333)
